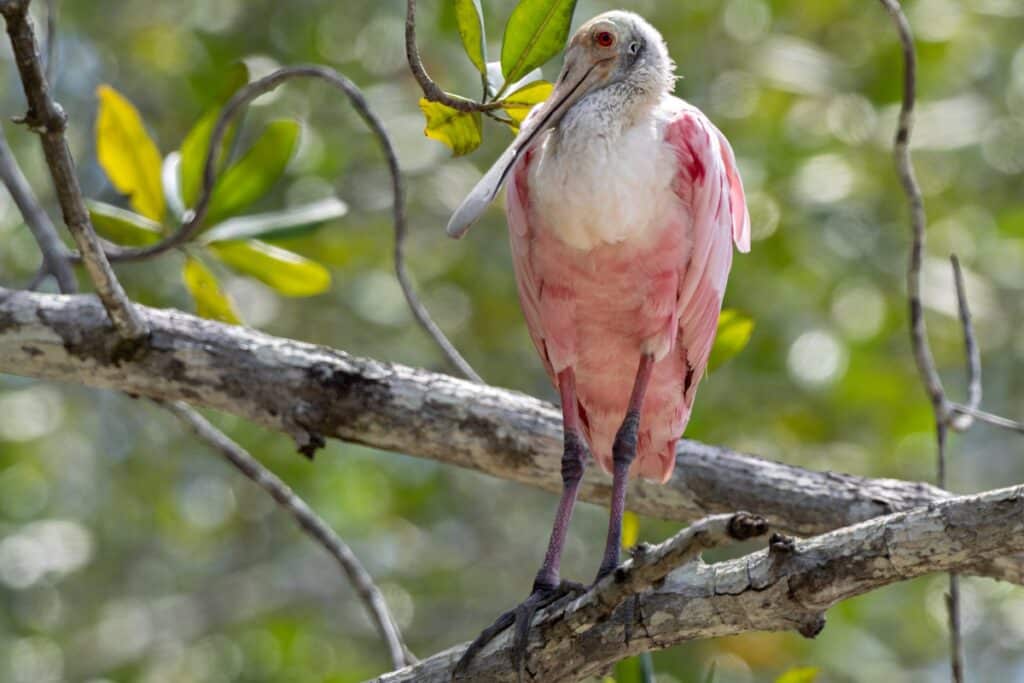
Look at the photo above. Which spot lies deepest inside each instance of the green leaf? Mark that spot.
(127, 153)
(806, 674)
(519, 103)
(461, 131)
(193, 154)
(288, 223)
(536, 32)
(256, 172)
(211, 301)
(734, 330)
(710, 676)
(470, 19)
(627, 671)
(197, 142)
(121, 226)
(285, 271)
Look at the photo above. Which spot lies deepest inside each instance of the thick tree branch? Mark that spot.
(54, 253)
(308, 521)
(45, 117)
(304, 389)
(788, 586)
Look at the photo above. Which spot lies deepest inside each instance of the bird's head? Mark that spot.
(612, 48)
(615, 47)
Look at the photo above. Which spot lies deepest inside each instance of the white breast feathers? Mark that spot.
(591, 183)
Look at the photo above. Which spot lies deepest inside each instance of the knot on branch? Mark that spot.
(744, 526)
(781, 546)
(308, 443)
(812, 626)
(52, 120)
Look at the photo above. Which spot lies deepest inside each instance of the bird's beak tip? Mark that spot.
(456, 230)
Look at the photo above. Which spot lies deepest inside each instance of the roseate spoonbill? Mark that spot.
(623, 205)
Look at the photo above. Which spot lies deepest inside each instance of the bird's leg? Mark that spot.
(547, 586)
(623, 453)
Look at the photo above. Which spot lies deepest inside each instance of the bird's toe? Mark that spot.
(521, 617)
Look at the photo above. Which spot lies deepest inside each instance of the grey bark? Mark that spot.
(312, 392)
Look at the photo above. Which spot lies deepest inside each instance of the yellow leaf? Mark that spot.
(461, 131)
(806, 674)
(127, 153)
(519, 103)
(630, 529)
(211, 301)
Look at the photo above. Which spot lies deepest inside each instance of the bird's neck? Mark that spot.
(608, 112)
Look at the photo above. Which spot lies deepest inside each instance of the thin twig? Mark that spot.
(47, 118)
(989, 418)
(962, 421)
(650, 564)
(234, 106)
(308, 520)
(918, 329)
(54, 253)
(39, 278)
(905, 167)
(431, 90)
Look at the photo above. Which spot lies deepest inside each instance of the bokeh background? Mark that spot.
(129, 552)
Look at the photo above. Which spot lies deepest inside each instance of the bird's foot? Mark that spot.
(521, 617)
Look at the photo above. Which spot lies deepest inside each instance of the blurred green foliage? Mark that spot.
(134, 167)
(128, 552)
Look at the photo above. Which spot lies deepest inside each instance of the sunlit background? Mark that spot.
(129, 552)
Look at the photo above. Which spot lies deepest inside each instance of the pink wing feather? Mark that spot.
(709, 188)
(708, 183)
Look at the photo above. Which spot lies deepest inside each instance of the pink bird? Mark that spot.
(623, 205)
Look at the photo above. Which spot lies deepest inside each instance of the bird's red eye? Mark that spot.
(605, 39)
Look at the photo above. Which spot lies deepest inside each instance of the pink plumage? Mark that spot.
(597, 308)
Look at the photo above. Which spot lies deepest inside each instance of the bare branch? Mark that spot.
(431, 90)
(990, 418)
(45, 117)
(302, 388)
(918, 328)
(54, 253)
(786, 587)
(650, 565)
(905, 167)
(308, 521)
(962, 421)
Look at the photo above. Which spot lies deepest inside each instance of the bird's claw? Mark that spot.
(521, 617)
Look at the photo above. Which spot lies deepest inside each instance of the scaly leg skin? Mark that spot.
(623, 454)
(548, 586)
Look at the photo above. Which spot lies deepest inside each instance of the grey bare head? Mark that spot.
(615, 48)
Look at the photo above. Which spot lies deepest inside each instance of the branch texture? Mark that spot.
(313, 392)
(788, 586)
